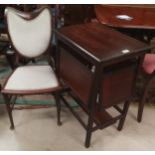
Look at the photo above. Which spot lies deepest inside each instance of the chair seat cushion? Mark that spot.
(149, 63)
(28, 78)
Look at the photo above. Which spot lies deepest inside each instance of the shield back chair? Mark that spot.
(148, 72)
(30, 35)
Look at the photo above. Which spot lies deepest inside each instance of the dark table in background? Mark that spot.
(134, 20)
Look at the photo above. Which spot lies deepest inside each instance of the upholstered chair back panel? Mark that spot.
(29, 37)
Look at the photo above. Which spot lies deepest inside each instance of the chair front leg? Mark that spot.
(58, 105)
(141, 103)
(9, 110)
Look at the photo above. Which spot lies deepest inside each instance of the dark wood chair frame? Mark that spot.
(11, 96)
(148, 78)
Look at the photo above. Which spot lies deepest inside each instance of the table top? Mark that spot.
(127, 16)
(100, 42)
(132, 5)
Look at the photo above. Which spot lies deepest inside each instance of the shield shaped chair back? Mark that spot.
(29, 33)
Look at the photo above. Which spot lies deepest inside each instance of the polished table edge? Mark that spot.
(86, 54)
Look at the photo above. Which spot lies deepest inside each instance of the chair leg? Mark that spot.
(58, 104)
(141, 105)
(122, 120)
(9, 110)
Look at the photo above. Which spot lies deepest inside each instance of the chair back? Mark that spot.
(29, 33)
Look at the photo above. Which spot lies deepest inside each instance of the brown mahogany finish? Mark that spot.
(98, 72)
(141, 23)
(93, 40)
(142, 15)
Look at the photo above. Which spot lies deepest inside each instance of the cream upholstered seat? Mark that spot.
(28, 78)
(30, 35)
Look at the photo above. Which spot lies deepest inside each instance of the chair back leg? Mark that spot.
(143, 97)
(142, 101)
